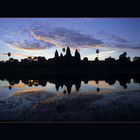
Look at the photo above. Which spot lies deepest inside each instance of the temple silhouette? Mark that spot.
(69, 62)
(66, 82)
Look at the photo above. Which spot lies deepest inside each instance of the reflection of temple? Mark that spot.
(98, 89)
(68, 85)
(67, 81)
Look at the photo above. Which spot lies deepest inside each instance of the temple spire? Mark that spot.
(56, 54)
(68, 52)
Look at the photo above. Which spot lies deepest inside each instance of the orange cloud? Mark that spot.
(20, 47)
(60, 45)
(48, 40)
(27, 91)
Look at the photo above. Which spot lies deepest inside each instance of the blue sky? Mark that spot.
(42, 36)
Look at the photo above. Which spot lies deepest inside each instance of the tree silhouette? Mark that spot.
(29, 59)
(123, 59)
(9, 54)
(123, 55)
(85, 59)
(97, 51)
(96, 59)
(136, 58)
(11, 59)
(35, 58)
(63, 50)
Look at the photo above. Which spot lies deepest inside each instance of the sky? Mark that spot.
(25, 37)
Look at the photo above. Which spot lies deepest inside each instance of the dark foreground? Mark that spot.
(71, 108)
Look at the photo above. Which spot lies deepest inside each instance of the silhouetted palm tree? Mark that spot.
(64, 50)
(97, 51)
(9, 54)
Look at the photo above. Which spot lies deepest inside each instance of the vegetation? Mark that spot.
(69, 61)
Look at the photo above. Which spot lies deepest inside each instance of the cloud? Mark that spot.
(118, 42)
(40, 36)
(32, 46)
(62, 37)
(117, 38)
(113, 37)
(127, 46)
(20, 38)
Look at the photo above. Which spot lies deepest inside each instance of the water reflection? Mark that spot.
(10, 87)
(66, 83)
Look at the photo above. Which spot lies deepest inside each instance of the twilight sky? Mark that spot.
(42, 36)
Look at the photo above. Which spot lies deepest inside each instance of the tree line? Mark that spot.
(69, 61)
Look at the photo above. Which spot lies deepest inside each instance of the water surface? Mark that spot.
(19, 87)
